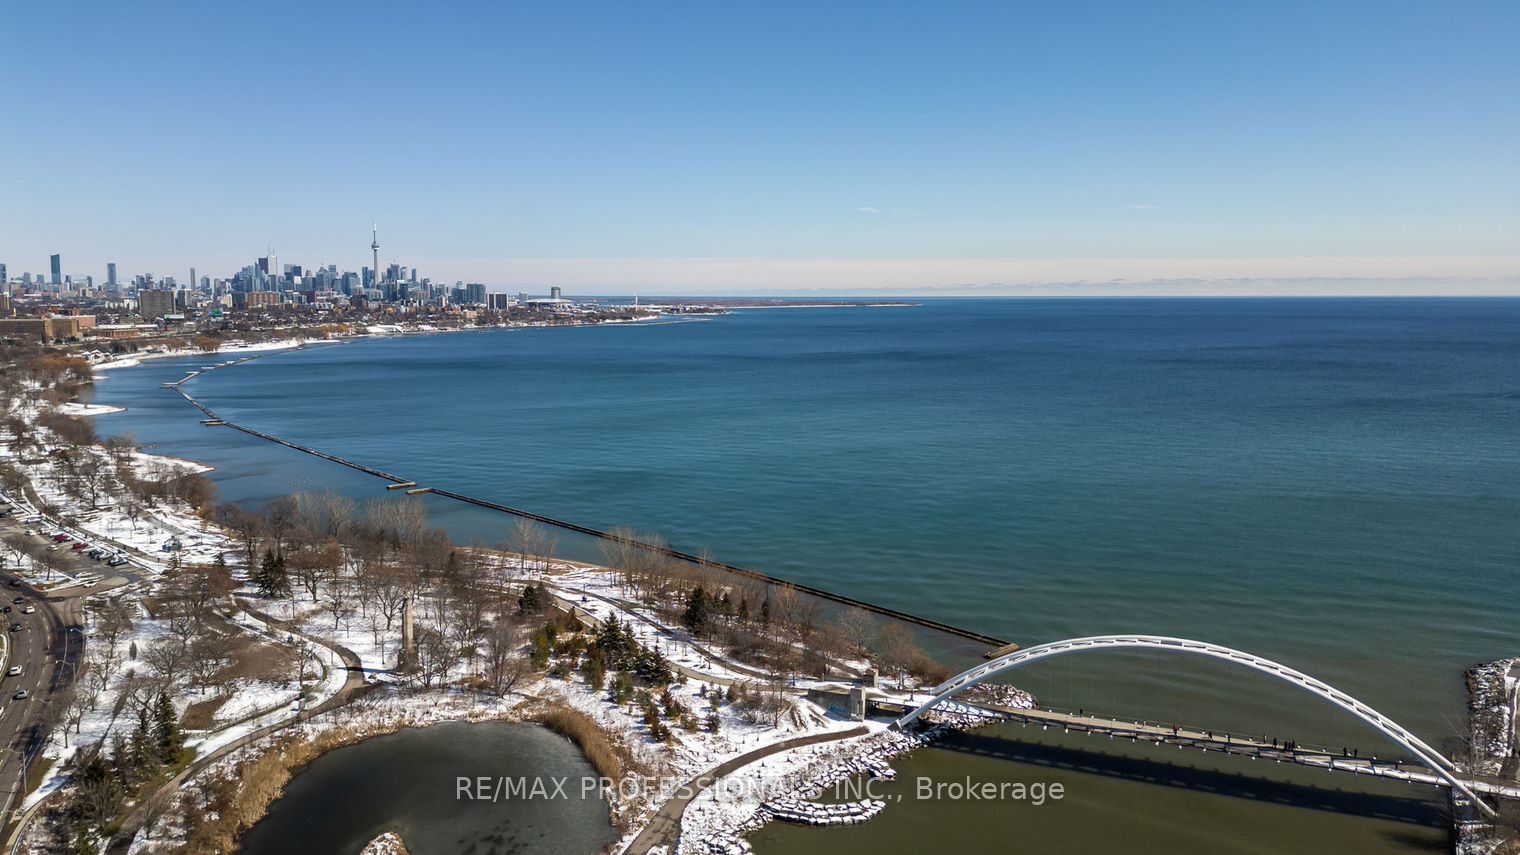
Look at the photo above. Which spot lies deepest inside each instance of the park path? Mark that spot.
(664, 828)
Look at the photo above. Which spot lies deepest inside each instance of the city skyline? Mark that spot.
(706, 150)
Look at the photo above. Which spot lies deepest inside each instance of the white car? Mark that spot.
(28, 610)
(14, 671)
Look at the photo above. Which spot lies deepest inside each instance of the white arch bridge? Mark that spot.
(1444, 769)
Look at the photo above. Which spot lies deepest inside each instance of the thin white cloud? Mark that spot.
(869, 210)
(1142, 207)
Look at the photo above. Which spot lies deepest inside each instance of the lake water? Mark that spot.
(406, 782)
(1331, 483)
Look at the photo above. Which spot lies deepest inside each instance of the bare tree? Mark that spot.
(504, 664)
(209, 655)
(535, 543)
(168, 659)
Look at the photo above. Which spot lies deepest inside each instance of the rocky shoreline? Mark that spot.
(389, 843)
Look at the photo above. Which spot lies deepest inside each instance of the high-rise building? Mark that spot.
(155, 304)
(192, 277)
(111, 275)
(554, 293)
(3, 277)
(374, 246)
(57, 263)
(475, 294)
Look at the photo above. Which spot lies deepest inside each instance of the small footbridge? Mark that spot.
(1438, 769)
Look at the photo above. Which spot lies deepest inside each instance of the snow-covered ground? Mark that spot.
(233, 349)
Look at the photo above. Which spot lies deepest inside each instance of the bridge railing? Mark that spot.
(1233, 735)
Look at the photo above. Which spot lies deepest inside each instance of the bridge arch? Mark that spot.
(1443, 767)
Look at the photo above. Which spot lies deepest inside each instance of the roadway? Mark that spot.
(48, 648)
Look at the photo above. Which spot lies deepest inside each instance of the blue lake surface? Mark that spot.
(1332, 483)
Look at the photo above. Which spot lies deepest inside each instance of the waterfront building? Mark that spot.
(47, 329)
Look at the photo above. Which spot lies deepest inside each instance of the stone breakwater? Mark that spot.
(1000, 695)
(794, 797)
(388, 843)
(813, 813)
(1491, 698)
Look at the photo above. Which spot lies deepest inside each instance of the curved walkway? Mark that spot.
(664, 828)
(353, 686)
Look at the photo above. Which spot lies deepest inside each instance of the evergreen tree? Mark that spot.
(167, 737)
(765, 612)
(140, 752)
(698, 611)
(271, 578)
(529, 603)
(541, 643)
(595, 668)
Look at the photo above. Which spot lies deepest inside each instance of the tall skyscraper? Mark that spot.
(3, 278)
(57, 269)
(374, 246)
(111, 275)
(193, 280)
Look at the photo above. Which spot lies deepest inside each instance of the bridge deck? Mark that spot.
(1205, 740)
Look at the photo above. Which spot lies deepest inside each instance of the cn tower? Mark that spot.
(374, 246)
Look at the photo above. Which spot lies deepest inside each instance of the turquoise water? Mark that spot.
(1332, 483)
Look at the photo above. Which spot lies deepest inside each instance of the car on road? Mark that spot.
(21, 694)
(6, 610)
(14, 671)
(26, 610)
(15, 627)
(15, 583)
(19, 600)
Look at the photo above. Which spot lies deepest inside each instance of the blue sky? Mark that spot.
(727, 147)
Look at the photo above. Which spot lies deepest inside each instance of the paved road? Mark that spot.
(664, 828)
(48, 648)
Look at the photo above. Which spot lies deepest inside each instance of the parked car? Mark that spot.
(95, 553)
(61, 538)
(116, 562)
(21, 695)
(15, 671)
(15, 627)
(26, 610)
(15, 583)
(81, 545)
(19, 600)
